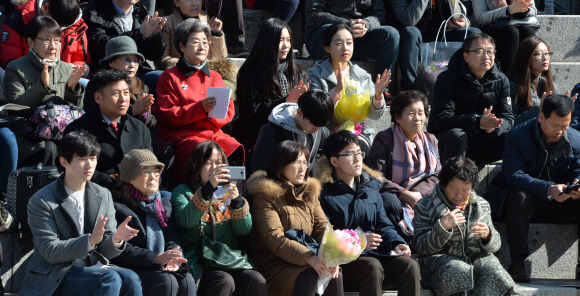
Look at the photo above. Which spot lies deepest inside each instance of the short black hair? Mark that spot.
(78, 143)
(199, 156)
(469, 40)
(560, 104)
(39, 23)
(461, 168)
(405, 99)
(64, 12)
(337, 141)
(105, 77)
(317, 107)
(283, 154)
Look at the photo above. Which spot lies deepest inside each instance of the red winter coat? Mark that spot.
(181, 118)
(13, 45)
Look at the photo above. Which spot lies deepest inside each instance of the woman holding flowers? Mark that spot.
(350, 198)
(284, 199)
(455, 238)
(329, 75)
(197, 208)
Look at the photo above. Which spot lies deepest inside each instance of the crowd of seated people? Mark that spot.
(144, 204)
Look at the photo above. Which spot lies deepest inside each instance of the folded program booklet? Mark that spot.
(222, 101)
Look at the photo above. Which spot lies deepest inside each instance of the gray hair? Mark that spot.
(186, 28)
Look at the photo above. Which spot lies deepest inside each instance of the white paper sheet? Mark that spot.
(222, 100)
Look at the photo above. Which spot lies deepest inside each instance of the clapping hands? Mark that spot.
(152, 25)
(488, 121)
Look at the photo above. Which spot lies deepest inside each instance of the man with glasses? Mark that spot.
(116, 132)
(350, 198)
(471, 110)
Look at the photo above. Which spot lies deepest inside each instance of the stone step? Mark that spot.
(567, 74)
(561, 33)
(535, 288)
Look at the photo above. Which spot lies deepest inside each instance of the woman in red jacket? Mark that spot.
(182, 105)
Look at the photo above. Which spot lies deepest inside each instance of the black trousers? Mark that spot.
(480, 147)
(507, 41)
(238, 283)
(232, 16)
(370, 276)
(521, 208)
(305, 284)
(159, 282)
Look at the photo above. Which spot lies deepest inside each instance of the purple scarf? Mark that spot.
(156, 209)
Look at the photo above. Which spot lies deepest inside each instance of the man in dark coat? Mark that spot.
(116, 132)
(471, 111)
(541, 158)
(350, 198)
(112, 18)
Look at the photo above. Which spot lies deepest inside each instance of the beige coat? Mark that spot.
(217, 49)
(277, 208)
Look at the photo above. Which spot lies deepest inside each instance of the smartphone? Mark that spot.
(570, 188)
(237, 173)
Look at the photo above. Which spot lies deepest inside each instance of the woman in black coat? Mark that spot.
(154, 254)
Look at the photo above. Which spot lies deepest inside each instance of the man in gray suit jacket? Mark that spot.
(75, 232)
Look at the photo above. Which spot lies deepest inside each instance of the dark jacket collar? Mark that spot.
(188, 71)
(369, 178)
(96, 117)
(558, 149)
(458, 64)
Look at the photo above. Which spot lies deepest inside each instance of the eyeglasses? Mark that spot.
(542, 55)
(197, 43)
(131, 61)
(350, 156)
(47, 41)
(304, 164)
(155, 172)
(480, 51)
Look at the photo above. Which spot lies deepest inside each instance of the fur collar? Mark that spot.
(227, 69)
(323, 171)
(120, 190)
(259, 183)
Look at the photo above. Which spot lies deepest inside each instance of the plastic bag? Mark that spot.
(337, 249)
(354, 104)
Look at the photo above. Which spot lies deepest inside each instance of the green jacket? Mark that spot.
(456, 260)
(190, 215)
(22, 83)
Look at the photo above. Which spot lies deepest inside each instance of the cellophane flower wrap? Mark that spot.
(339, 247)
(354, 104)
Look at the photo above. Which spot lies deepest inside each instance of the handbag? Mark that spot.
(218, 256)
(6, 220)
(49, 121)
(531, 21)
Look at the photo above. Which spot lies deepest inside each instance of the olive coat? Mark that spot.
(277, 208)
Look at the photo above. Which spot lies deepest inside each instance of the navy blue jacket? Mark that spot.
(347, 209)
(524, 158)
(576, 117)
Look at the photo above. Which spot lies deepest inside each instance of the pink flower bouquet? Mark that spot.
(339, 247)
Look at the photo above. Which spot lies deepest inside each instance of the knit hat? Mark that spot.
(119, 46)
(134, 161)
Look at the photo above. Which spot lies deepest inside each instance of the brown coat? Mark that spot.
(217, 49)
(278, 208)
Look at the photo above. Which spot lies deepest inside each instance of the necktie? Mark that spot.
(114, 127)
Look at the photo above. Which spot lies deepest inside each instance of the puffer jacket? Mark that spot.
(346, 208)
(456, 260)
(23, 86)
(277, 208)
(13, 45)
(525, 156)
(104, 25)
(460, 97)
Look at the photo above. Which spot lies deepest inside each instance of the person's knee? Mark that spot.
(166, 283)
(389, 36)
(373, 268)
(130, 280)
(410, 33)
(111, 281)
(521, 199)
(409, 267)
(458, 136)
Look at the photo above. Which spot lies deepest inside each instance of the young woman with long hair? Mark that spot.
(270, 76)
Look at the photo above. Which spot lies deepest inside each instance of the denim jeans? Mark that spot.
(150, 79)
(9, 156)
(114, 281)
(380, 44)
